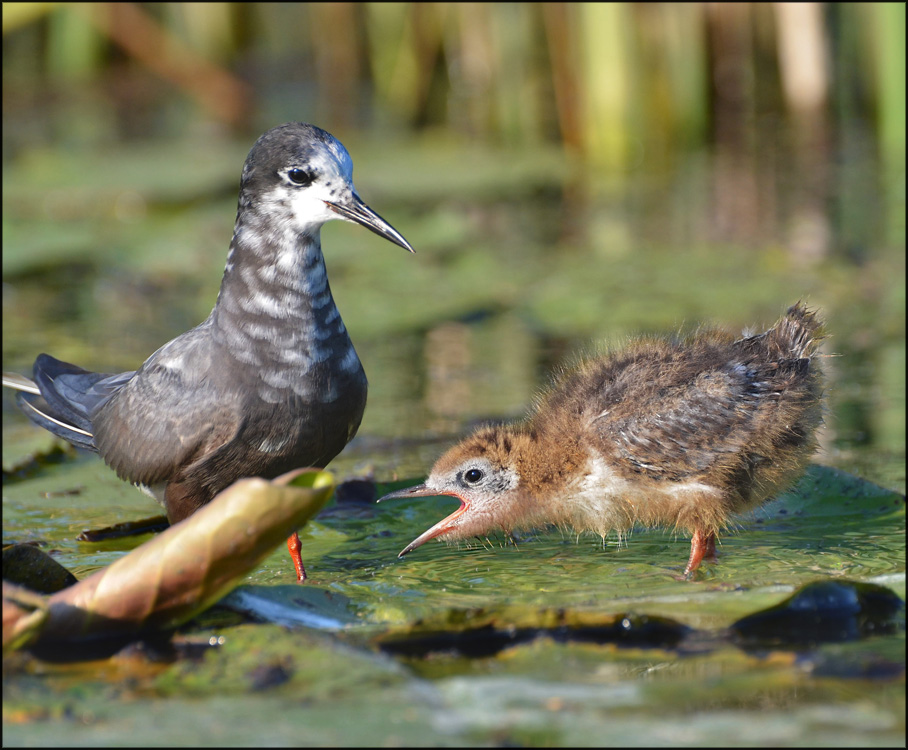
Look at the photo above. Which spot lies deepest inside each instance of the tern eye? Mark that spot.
(472, 476)
(301, 177)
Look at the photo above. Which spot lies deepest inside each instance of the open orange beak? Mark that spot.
(420, 490)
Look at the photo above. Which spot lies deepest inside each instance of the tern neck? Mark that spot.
(275, 307)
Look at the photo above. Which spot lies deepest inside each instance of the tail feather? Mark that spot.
(796, 336)
(65, 389)
(798, 333)
(19, 382)
(39, 412)
(62, 397)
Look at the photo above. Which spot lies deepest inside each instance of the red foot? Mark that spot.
(294, 545)
(703, 544)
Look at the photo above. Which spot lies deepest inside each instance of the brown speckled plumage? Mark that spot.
(680, 433)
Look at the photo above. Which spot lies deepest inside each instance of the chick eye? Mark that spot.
(301, 177)
(473, 475)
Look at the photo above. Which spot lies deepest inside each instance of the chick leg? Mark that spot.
(702, 544)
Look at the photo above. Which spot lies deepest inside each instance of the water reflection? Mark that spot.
(505, 292)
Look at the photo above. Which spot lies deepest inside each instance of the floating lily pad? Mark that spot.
(825, 611)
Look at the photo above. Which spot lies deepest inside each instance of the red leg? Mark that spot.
(294, 545)
(703, 544)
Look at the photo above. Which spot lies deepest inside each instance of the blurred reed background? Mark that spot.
(604, 81)
(577, 130)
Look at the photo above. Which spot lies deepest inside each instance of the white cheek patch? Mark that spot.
(309, 210)
(291, 211)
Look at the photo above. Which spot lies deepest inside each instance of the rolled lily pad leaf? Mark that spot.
(24, 613)
(189, 567)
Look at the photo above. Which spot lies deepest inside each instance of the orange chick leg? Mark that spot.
(294, 545)
(702, 545)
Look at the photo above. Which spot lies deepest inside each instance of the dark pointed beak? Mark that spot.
(356, 210)
(420, 490)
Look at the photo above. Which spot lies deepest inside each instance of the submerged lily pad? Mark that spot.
(820, 612)
(483, 634)
(823, 612)
(292, 606)
(28, 566)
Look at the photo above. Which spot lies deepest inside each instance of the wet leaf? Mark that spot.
(26, 565)
(185, 569)
(824, 612)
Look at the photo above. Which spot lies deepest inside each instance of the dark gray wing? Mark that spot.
(168, 414)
